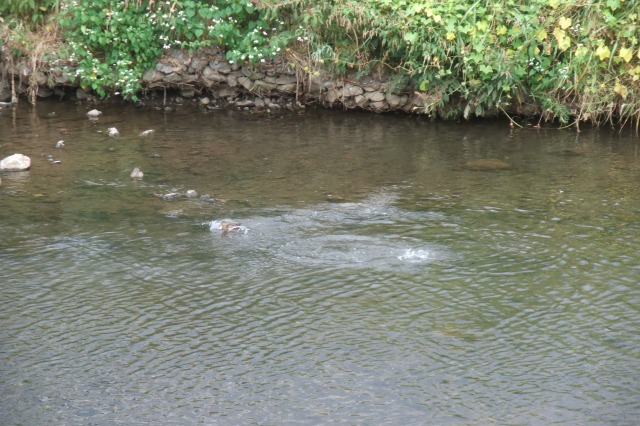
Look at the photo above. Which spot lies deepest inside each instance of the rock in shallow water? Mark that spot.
(137, 173)
(15, 163)
(171, 196)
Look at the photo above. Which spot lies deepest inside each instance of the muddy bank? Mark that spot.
(207, 77)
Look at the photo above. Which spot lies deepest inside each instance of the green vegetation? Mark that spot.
(566, 60)
(114, 42)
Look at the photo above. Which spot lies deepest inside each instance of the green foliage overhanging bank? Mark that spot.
(570, 61)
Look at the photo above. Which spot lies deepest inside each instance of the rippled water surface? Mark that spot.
(381, 280)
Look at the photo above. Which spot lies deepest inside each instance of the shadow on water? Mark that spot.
(395, 270)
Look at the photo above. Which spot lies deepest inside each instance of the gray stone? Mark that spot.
(166, 68)
(393, 100)
(182, 57)
(172, 78)
(94, 113)
(246, 82)
(287, 88)
(205, 101)
(361, 100)
(246, 103)
(380, 106)
(286, 79)
(151, 75)
(232, 80)
(259, 102)
(223, 67)
(188, 92)
(350, 90)
(250, 73)
(198, 64)
(261, 86)
(332, 95)
(212, 75)
(227, 92)
(171, 196)
(15, 163)
(137, 173)
(375, 96)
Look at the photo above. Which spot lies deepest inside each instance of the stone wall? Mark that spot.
(208, 76)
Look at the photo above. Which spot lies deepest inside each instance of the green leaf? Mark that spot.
(411, 37)
(613, 4)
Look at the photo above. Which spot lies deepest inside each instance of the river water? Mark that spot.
(380, 279)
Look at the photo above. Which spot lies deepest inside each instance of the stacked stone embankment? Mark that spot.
(206, 75)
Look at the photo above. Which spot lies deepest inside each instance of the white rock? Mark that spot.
(147, 132)
(113, 132)
(137, 173)
(60, 144)
(94, 113)
(191, 193)
(15, 163)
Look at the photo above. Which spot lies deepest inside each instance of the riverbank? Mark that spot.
(215, 82)
(538, 62)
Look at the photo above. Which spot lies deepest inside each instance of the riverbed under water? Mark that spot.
(381, 281)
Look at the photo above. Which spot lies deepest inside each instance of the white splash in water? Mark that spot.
(216, 225)
(415, 256)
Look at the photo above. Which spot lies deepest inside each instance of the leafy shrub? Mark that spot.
(114, 42)
(29, 11)
(572, 58)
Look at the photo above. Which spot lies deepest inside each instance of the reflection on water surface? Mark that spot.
(381, 280)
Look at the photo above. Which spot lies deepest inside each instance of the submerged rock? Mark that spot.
(191, 193)
(113, 132)
(15, 163)
(487, 164)
(94, 113)
(137, 173)
(226, 227)
(171, 196)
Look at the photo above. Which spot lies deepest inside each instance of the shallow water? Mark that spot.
(380, 281)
